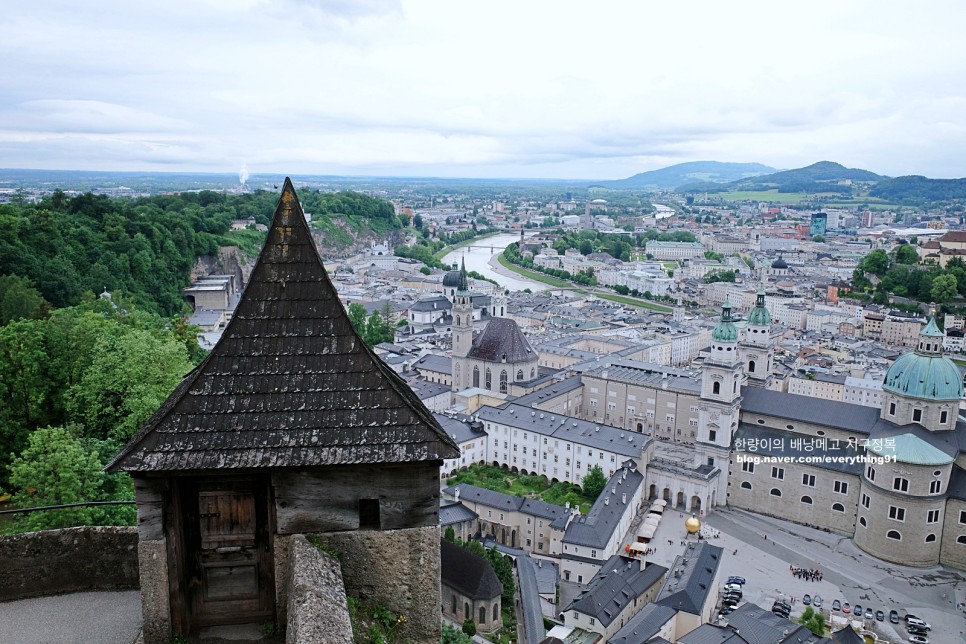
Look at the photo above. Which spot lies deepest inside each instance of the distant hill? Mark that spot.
(917, 189)
(673, 176)
(824, 176)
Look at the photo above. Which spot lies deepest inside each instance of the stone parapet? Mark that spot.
(317, 609)
(70, 560)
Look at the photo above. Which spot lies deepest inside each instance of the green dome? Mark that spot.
(925, 373)
(759, 316)
(925, 377)
(725, 330)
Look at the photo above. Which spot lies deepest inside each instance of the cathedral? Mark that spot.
(893, 479)
(498, 356)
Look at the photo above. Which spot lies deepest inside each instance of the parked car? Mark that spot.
(730, 601)
(894, 616)
(857, 610)
(836, 605)
(736, 580)
(817, 601)
(916, 630)
(912, 620)
(880, 616)
(806, 599)
(726, 610)
(846, 607)
(869, 614)
(730, 586)
(919, 639)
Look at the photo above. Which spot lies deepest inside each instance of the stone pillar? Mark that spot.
(155, 604)
(398, 569)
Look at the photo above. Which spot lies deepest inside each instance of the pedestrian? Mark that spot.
(736, 551)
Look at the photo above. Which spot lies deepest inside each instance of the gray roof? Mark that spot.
(290, 383)
(457, 429)
(834, 414)
(506, 502)
(437, 303)
(581, 432)
(502, 336)
(549, 392)
(759, 626)
(690, 580)
(530, 600)
(433, 362)
(453, 513)
(644, 625)
(957, 484)
(426, 389)
(620, 581)
(596, 528)
(711, 634)
(468, 573)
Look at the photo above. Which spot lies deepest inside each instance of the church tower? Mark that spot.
(462, 330)
(720, 402)
(755, 350)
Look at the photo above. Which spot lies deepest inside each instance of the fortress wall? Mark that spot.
(70, 560)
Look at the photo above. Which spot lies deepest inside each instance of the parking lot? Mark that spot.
(761, 549)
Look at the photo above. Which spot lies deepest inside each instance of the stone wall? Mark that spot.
(398, 569)
(317, 608)
(68, 561)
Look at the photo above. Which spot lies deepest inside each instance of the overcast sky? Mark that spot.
(555, 89)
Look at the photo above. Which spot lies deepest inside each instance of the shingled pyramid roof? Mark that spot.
(289, 384)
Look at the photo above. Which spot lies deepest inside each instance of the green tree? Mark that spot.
(819, 239)
(450, 635)
(19, 299)
(813, 620)
(55, 469)
(469, 627)
(594, 482)
(906, 254)
(943, 288)
(876, 263)
(450, 534)
(357, 316)
(131, 374)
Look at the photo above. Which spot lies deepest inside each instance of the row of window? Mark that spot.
(901, 484)
(917, 414)
(895, 535)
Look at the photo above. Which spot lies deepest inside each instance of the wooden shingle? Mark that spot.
(290, 383)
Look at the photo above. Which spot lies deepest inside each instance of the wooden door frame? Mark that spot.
(179, 566)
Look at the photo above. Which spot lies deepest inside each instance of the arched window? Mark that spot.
(482, 615)
(838, 507)
(961, 539)
(894, 534)
(496, 611)
(457, 372)
(775, 492)
(503, 381)
(519, 374)
(716, 388)
(745, 485)
(453, 604)
(862, 522)
(457, 320)
(466, 611)
(476, 376)
(489, 380)
(930, 538)
(751, 366)
(532, 373)
(807, 499)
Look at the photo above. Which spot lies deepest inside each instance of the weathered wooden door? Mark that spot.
(229, 558)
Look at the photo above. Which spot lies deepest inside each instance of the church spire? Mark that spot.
(464, 282)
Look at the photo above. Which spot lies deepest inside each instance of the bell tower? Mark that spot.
(720, 401)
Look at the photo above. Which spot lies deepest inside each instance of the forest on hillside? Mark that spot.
(145, 247)
(80, 372)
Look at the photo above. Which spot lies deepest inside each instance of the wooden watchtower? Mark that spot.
(290, 425)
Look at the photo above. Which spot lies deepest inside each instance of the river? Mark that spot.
(478, 256)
